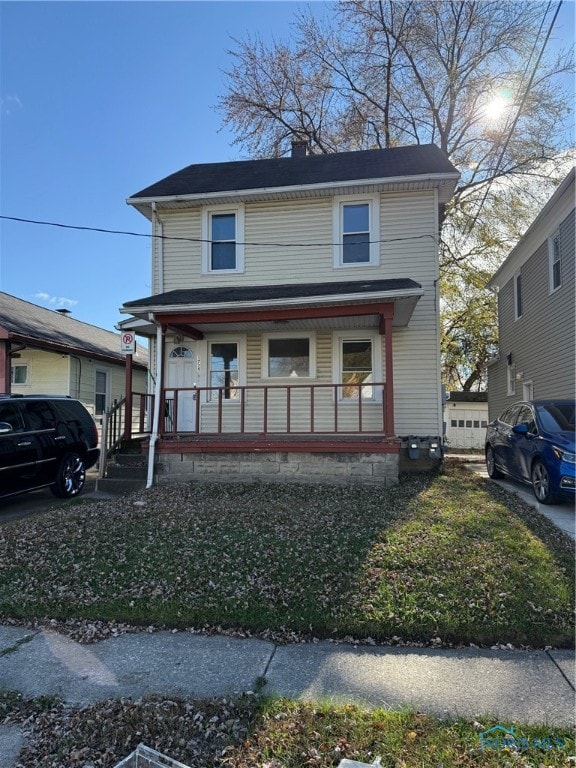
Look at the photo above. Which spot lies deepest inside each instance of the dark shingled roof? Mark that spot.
(47, 328)
(468, 397)
(195, 296)
(417, 160)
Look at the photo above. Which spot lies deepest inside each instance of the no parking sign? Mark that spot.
(128, 343)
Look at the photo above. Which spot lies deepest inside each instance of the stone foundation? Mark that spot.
(280, 467)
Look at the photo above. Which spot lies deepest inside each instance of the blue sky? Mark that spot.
(99, 100)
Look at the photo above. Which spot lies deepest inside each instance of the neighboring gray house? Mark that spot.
(45, 351)
(536, 300)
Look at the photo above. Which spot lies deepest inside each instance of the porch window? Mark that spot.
(224, 369)
(289, 358)
(222, 240)
(356, 232)
(357, 369)
(19, 374)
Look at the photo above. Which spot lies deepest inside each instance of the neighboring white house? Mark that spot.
(536, 310)
(466, 417)
(294, 321)
(44, 351)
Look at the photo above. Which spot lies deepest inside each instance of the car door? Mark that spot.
(522, 446)
(18, 451)
(41, 419)
(501, 438)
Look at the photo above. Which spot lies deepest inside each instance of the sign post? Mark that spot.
(128, 348)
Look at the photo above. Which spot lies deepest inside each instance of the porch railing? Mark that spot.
(295, 409)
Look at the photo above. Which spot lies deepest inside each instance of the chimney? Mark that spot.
(64, 312)
(299, 147)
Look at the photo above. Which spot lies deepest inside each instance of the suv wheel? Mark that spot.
(494, 473)
(541, 484)
(70, 478)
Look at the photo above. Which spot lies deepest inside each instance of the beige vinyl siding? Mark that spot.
(306, 226)
(51, 373)
(417, 402)
(182, 255)
(542, 340)
(48, 373)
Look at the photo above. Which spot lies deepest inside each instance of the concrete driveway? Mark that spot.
(562, 515)
(36, 502)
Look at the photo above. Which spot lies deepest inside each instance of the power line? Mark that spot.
(196, 239)
(521, 105)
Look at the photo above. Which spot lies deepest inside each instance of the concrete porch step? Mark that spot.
(120, 486)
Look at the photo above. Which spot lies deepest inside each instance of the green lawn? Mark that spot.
(439, 556)
(254, 733)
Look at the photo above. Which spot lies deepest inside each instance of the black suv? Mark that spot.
(45, 441)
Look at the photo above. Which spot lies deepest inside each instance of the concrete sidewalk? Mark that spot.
(525, 686)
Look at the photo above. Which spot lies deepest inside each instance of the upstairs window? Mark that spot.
(518, 296)
(356, 232)
(554, 260)
(222, 240)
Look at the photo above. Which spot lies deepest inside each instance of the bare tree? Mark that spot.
(381, 73)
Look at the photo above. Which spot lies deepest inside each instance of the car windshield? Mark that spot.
(557, 417)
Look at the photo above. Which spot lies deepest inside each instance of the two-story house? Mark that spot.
(536, 319)
(294, 316)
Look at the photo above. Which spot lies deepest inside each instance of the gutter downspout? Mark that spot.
(157, 394)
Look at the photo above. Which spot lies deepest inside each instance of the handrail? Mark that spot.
(345, 409)
(115, 429)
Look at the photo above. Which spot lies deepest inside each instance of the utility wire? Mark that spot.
(196, 239)
(521, 105)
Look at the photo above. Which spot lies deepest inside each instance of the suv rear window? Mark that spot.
(39, 415)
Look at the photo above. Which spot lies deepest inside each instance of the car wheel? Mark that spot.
(70, 478)
(541, 484)
(493, 472)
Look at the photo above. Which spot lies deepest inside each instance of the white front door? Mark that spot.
(181, 375)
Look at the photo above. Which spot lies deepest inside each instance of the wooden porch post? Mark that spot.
(386, 329)
(128, 396)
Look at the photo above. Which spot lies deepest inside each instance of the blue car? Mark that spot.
(534, 442)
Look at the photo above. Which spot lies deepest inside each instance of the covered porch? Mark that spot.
(222, 385)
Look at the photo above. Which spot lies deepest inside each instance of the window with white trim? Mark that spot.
(357, 369)
(288, 357)
(518, 296)
(554, 262)
(100, 392)
(356, 232)
(19, 374)
(224, 369)
(357, 365)
(223, 239)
